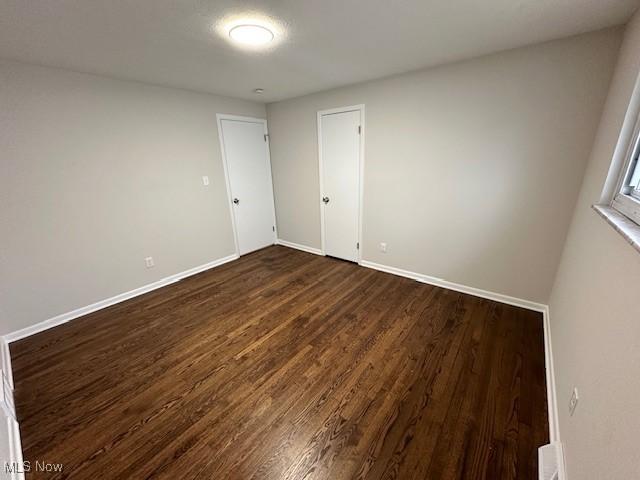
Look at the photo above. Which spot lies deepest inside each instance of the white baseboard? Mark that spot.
(438, 282)
(297, 246)
(79, 312)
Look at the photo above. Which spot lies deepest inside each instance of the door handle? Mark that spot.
(325, 199)
(236, 201)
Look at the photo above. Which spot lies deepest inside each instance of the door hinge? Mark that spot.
(359, 129)
(358, 246)
(266, 137)
(273, 228)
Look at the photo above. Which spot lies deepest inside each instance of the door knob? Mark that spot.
(236, 201)
(325, 199)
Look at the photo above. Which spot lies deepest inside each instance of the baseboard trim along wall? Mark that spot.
(297, 246)
(79, 312)
(438, 282)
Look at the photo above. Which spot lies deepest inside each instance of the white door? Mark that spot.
(246, 153)
(340, 182)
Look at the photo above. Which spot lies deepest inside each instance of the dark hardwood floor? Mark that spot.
(287, 365)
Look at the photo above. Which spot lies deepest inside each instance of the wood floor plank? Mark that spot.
(287, 365)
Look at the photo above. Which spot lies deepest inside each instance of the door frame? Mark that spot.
(239, 118)
(330, 111)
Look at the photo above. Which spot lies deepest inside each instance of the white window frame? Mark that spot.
(627, 199)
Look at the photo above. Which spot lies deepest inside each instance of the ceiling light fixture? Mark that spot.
(258, 91)
(251, 35)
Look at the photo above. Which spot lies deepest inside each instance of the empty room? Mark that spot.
(329, 240)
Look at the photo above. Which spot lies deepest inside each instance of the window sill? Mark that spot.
(621, 224)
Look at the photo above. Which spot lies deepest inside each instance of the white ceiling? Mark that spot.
(327, 43)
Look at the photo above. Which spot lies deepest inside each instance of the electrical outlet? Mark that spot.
(573, 402)
(149, 262)
(383, 247)
(205, 180)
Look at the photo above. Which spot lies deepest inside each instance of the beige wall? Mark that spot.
(595, 313)
(472, 169)
(97, 174)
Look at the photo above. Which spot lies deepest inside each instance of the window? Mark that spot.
(632, 187)
(627, 198)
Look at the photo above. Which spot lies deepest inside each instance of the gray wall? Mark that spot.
(595, 312)
(97, 174)
(472, 169)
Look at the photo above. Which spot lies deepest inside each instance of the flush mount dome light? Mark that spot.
(251, 35)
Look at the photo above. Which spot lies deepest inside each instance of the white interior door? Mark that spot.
(340, 135)
(246, 154)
